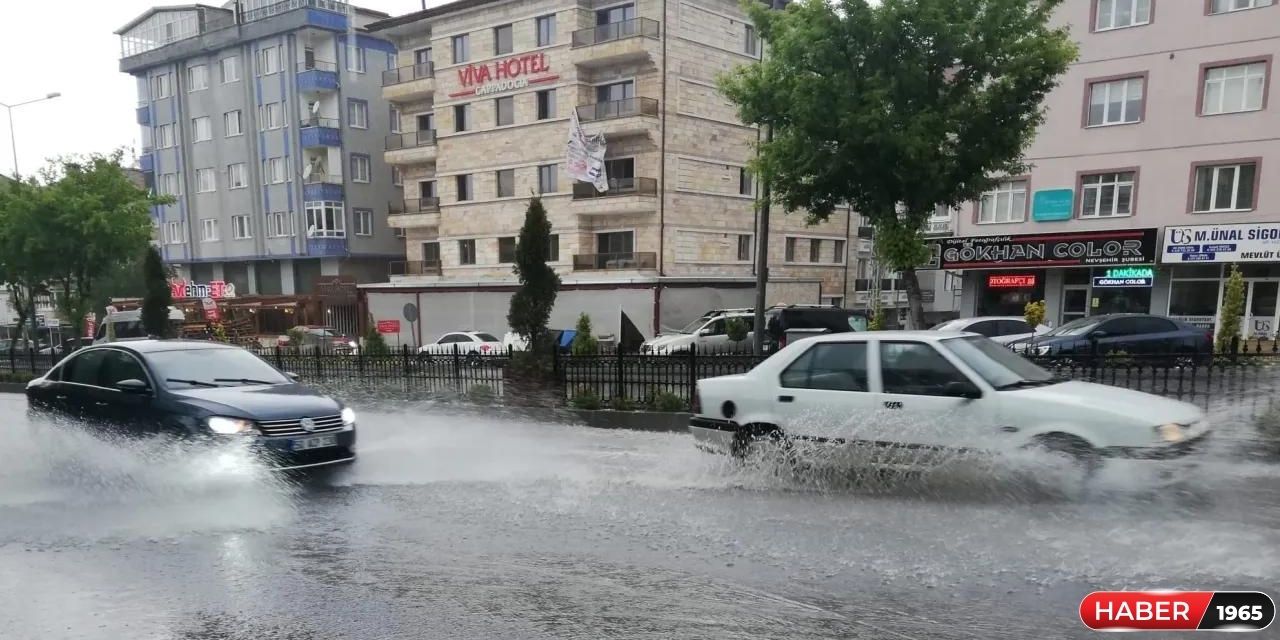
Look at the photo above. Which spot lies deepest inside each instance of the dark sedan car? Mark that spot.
(201, 389)
(1133, 333)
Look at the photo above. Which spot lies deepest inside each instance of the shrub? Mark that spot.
(878, 321)
(1034, 313)
(481, 394)
(586, 399)
(621, 403)
(375, 344)
(1232, 310)
(17, 377)
(667, 402)
(297, 336)
(736, 330)
(584, 340)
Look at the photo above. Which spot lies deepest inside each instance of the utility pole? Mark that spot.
(762, 256)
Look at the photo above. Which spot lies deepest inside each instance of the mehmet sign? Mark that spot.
(504, 75)
(1115, 247)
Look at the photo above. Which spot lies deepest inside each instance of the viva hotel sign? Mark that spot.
(508, 74)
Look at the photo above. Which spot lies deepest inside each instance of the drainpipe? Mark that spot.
(662, 153)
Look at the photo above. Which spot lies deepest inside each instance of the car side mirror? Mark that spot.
(293, 376)
(704, 332)
(132, 385)
(967, 390)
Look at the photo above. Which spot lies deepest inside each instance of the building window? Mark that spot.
(422, 56)
(395, 119)
(165, 137)
(271, 116)
(791, 250)
(547, 178)
(197, 77)
(750, 43)
(237, 176)
(201, 129)
(621, 244)
(206, 180)
(273, 171)
(1234, 89)
(363, 221)
(837, 253)
(1229, 6)
(326, 220)
(355, 59)
(1117, 14)
(464, 187)
(553, 248)
(230, 67)
(1116, 102)
(506, 181)
(357, 114)
(279, 224)
(240, 229)
(545, 26)
(173, 233)
(615, 92)
(1007, 202)
(461, 48)
(466, 252)
(507, 250)
(161, 86)
(427, 189)
(744, 247)
(505, 111)
(745, 186)
(1225, 187)
(169, 185)
(359, 168)
(209, 230)
(232, 123)
(397, 177)
(502, 40)
(546, 104)
(1107, 195)
(431, 253)
(426, 121)
(268, 61)
(815, 250)
(460, 117)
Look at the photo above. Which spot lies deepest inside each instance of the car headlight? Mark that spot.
(1171, 432)
(230, 426)
(348, 416)
(352, 344)
(1043, 350)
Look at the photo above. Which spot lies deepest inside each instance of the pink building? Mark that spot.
(1155, 170)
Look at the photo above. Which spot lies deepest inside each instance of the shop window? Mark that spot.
(1193, 298)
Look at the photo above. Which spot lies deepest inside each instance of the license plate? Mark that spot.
(316, 442)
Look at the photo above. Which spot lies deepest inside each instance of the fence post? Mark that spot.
(13, 366)
(279, 357)
(404, 353)
(31, 357)
(360, 360)
(1235, 348)
(693, 373)
(457, 369)
(319, 365)
(1095, 357)
(621, 375)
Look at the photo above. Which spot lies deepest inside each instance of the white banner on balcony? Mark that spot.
(584, 156)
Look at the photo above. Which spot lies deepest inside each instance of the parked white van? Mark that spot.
(128, 324)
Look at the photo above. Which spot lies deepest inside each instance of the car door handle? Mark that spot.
(786, 398)
(59, 397)
(99, 404)
(892, 404)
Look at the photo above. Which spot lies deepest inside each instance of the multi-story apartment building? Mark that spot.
(1153, 172)
(265, 121)
(484, 91)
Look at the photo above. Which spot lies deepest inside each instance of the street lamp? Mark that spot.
(12, 139)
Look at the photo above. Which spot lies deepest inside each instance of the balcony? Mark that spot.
(144, 116)
(415, 147)
(938, 227)
(147, 163)
(414, 268)
(619, 118)
(320, 132)
(630, 261)
(625, 196)
(627, 41)
(317, 76)
(322, 187)
(409, 84)
(327, 246)
(414, 213)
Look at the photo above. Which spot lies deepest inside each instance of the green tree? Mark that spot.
(374, 343)
(584, 339)
(158, 299)
(26, 259)
(897, 107)
(736, 330)
(1232, 310)
(1033, 312)
(532, 303)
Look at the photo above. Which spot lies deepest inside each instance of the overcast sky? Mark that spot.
(69, 46)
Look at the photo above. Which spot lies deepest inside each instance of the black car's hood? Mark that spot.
(275, 402)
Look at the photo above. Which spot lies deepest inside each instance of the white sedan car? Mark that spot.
(909, 398)
(471, 345)
(1002, 329)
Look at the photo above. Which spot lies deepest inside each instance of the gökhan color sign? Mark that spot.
(1085, 248)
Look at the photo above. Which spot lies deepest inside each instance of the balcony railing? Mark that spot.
(615, 261)
(314, 121)
(617, 187)
(318, 65)
(415, 205)
(406, 74)
(414, 268)
(285, 6)
(616, 31)
(321, 178)
(411, 139)
(618, 109)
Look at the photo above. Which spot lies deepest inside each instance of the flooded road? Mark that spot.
(458, 526)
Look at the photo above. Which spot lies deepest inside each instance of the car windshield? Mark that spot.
(1075, 327)
(1000, 367)
(949, 325)
(186, 368)
(694, 326)
(487, 337)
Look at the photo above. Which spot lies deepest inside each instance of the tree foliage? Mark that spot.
(531, 305)
(158, 298)
(374, 343)
(897, 107)
(584, 339)
(736, 330)
(1232, 310)
(26, 261)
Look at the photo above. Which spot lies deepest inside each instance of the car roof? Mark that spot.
(985, 318)
(151, 345)
(863, 336)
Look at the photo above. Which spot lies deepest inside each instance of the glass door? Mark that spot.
(1075, 303)
(1260, 321)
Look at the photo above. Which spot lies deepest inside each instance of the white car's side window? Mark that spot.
(829, 366)
(916, 368)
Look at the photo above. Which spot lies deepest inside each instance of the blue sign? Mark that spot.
(1052, 204)
(1197, 257)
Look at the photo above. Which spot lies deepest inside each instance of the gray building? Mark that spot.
(265, 121)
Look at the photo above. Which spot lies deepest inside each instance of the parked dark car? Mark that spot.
(809, 320)
(1133, 333)
(198, 389)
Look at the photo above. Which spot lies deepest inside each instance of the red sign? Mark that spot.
(211, 313)
(503, 75)
(997, 281)
(388, 326)
(90, 325)
(1177, 611)
(215, 289)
